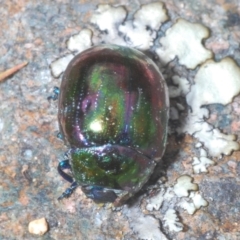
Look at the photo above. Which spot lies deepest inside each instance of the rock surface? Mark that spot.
(37, 32)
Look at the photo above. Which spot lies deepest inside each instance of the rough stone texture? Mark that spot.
(37, 31)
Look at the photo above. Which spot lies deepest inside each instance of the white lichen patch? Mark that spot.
(155, 202)
(168, 194)
(181, 87)
(107, 19)
(110, 21)
(195, 202)
(142, 31)
(81, 41)
(184, 185)
(172, 222)
(202, 163)
(151, 15)
(198, 145)
(215, 82)
(188, 206)
(146, 226)
(198, 200)
(184, 40)
(216, 142)
(58, 66)
(183, 195)
(77, 43)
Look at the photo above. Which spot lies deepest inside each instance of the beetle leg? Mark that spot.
(65, 165)
(99, 194)
(55, 94)
(68, 192)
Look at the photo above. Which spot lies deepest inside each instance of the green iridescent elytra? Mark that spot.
(113, 113)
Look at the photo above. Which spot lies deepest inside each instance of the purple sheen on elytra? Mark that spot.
(113, 96)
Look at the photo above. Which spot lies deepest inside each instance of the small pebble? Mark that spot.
(38, 226)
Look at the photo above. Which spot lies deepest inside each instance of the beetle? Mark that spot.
(113, 115)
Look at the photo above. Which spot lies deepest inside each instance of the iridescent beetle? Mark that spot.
(113, 115)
